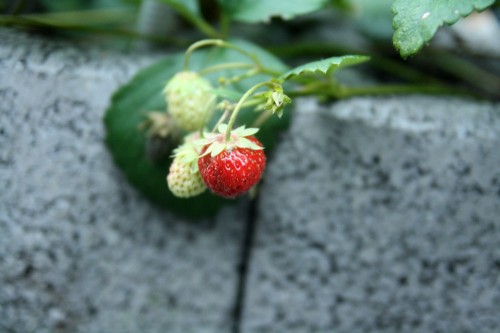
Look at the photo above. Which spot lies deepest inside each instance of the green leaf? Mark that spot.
(416, 22)
(373, 17)
(85, 18)
(185, 7)
(76, 5)
(132, 102)
(253, 11)
(190, 10)
(227, 94)
(325, 66)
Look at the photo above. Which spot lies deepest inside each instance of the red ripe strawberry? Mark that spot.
(231, 168)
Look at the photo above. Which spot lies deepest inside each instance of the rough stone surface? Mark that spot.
(80, 250)
(380, 215)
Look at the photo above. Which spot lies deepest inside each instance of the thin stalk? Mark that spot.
(206, 115)
(340, 92)
(469, 72)
(262, 118)
(345, 92)
(19, 7)
(226, 113)
(252, 102)
(220, 121)
(239, 106)
(82, 17)
(219, 43)
(246, 75)
(195, 20)
(225, 25)
(197, 45)
(24, 22)
(226, 66)
(203, 26)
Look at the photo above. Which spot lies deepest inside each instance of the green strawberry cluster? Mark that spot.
(227, 161)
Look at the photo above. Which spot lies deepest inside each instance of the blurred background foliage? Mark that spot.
(464, 58)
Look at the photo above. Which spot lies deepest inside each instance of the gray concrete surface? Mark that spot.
(375, 215)
(380, 215)
(80, 250)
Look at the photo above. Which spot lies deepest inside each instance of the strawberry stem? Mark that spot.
(197, 45)
(206, 115)
(262, 118)
(220, 43)
(221, 120)
(238, 78)
(221, 67)
(239, 106)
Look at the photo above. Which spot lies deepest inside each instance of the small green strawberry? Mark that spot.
(184, 179)
(189, 99)
(231, 168)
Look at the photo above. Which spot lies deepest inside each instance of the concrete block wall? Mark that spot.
(80, 249)
(380, 215)
(375, 215)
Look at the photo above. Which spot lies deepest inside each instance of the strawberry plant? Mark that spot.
(234, 97)
(208, 114)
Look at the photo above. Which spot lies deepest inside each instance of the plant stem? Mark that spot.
(195, 20)
(225, 25)
(251, 103)
(206, 115)
(469, 72)
(197, 45)
(19, 7)
(345, 92)
(262, 118)
(26, 22)
(339, 92)
(239, 106)
(221, 43)
(221, 67)
(221, 120)
(81, 17)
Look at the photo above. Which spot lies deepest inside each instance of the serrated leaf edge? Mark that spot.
(306, 68)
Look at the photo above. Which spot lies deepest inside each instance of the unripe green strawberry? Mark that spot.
(184, 179)
(189, 99)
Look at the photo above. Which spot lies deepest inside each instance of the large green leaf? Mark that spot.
(131, 103)
(75, 5)
(373, 17)
(416, 22)
(325, 66)
(253, 11)
(190, 10)
(185, 7)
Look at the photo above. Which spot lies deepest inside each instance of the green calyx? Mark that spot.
(276, 100)
(217, 142)
(188, 152)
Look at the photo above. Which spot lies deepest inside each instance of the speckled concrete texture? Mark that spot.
(375, 215)
(80, 250)
(380, 215)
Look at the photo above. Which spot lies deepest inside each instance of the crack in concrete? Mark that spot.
(245, 258)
